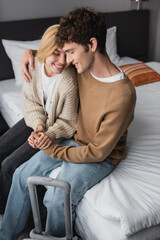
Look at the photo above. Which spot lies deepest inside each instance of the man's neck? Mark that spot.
(102, 66)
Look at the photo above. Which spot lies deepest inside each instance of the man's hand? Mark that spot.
(27, 61)
(39, 140)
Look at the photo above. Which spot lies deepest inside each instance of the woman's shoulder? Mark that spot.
(69, 71)
(68, 79)
(36, 72)
(37, 67)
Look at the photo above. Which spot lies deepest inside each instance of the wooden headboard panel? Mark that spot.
(132, 35)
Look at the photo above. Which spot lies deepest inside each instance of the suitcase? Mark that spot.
(37, 233)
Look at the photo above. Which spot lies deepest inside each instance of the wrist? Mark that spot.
(40, 128)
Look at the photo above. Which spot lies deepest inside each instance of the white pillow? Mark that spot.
(111, 44)
(15, 50)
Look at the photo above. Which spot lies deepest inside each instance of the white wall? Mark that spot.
(27, 9)
(24, 9)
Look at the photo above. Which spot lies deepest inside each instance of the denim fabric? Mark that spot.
(81, 177)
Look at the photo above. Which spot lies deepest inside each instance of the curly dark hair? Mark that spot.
(80, 25)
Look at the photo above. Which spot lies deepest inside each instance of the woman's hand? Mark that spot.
(39, 140)
(32, 141)
(27, 61)
(40, 128)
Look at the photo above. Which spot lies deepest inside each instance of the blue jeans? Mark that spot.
(81, 177)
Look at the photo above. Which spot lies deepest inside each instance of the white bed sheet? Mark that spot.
(11, 101)
(92, 226)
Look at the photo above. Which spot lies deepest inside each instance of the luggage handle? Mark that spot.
(46, 181)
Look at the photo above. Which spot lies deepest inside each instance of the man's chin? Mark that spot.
(79, 70)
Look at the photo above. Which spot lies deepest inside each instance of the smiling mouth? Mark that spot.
(58, 66)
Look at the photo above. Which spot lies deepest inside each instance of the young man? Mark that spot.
(107, 102)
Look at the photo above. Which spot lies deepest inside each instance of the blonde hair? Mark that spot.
(48, 43)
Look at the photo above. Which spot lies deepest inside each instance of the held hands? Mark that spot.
(39, 140)
(27, 61)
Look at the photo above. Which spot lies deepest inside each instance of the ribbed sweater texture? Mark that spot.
(106, 110)
(61, 121)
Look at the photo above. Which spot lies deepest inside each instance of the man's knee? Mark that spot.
(53, 198)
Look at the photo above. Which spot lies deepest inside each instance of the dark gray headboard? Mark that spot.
(132, 35)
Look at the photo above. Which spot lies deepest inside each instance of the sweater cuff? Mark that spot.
(49, 151)
(51, 135)
(35, 124)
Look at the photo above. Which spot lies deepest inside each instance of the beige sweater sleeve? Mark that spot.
(65, 122)
(33, 108)
(119, 116)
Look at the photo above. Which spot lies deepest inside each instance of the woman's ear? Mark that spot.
(93, 44)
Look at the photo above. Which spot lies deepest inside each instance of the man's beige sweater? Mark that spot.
(106, 110)
(61, 120)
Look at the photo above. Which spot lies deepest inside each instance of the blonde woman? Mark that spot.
(50, 111)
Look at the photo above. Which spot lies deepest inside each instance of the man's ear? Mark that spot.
(93, 44)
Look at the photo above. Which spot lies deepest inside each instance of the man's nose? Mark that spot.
(69, 59)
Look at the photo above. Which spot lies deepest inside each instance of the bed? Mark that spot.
(125, 205)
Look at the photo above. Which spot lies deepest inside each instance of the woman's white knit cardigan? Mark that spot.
(61, 121)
